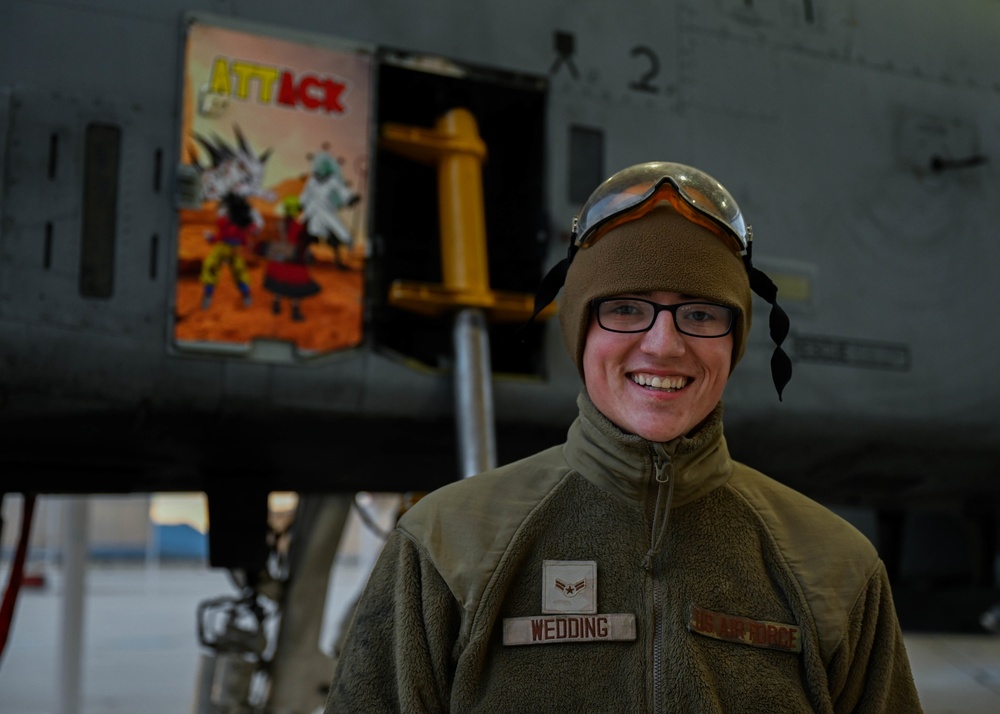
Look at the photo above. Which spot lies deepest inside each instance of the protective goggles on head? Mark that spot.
(633, 192)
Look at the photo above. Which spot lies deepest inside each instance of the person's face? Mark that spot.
(693, 371)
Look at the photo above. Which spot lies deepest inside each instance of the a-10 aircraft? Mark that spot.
(250, 246)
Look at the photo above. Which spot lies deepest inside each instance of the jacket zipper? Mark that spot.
(663, 475)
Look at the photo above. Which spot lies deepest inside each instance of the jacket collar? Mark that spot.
(622, 463)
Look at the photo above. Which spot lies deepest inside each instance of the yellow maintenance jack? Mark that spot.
(455, 147)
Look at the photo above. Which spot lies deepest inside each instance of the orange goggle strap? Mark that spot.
(664, 190)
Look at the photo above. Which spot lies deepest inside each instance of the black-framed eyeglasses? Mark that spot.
(697, 319)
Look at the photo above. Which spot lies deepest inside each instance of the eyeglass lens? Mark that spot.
(699, 319)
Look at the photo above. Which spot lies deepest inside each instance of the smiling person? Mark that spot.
(636, 567)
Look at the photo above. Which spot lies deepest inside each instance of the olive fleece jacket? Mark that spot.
(746, 595)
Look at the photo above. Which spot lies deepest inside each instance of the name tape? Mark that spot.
(756, 633)
(568, 628)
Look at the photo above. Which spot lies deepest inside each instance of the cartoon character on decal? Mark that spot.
(324, 195)
(235, 227)
(236, 169)
(287, 274)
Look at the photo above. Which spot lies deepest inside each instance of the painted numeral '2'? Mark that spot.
(644, 83)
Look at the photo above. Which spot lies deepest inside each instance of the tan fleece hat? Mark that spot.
(662, 250)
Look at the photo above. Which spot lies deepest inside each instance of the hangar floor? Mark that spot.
(140, 650)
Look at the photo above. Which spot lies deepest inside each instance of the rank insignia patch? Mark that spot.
(569, 586)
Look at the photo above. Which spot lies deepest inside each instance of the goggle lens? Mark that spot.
(630, 193)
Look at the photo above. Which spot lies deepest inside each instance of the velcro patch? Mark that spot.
(756, 633)
(546, 629)
(569, 587)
